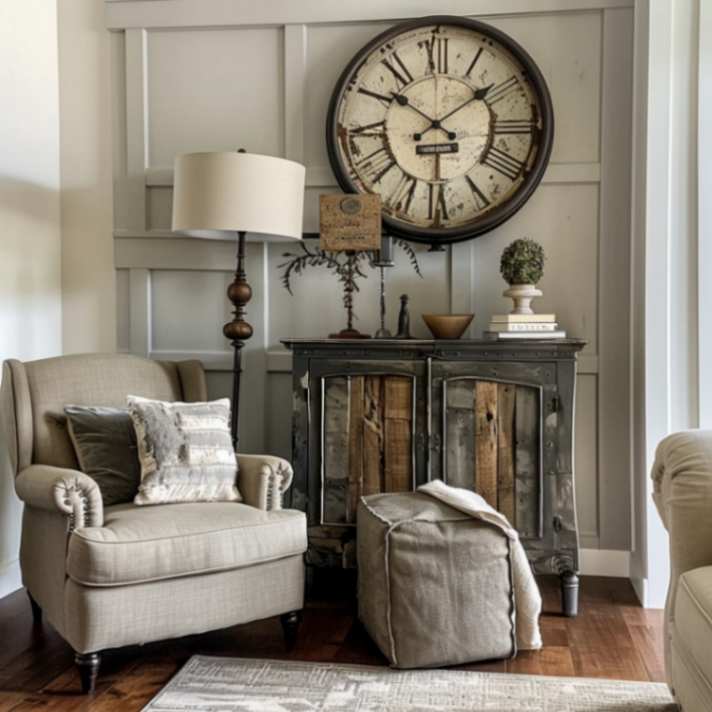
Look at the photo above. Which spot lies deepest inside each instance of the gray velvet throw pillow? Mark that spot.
(104, 441)
(185, 451)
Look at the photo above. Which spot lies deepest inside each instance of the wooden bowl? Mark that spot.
(448, 326)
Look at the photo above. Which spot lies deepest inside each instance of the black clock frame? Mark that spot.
(492, 219)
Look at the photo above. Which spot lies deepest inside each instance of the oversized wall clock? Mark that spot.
(448, 120)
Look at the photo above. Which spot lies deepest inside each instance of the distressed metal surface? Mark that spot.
(528, 473)
(546, 517)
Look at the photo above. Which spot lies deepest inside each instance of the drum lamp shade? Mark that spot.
(218, 193)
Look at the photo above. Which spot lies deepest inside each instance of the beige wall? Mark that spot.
(30, 297)
(88, 285)
(208, 76)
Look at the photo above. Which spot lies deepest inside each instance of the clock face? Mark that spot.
(448, 120)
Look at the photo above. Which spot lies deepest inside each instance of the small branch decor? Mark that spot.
(522, 266)
(349, 268)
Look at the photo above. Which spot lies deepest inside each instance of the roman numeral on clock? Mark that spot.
(437, 209)
(479, 197)
(503, 163)
(375, 129)
(398, 70)
(513, 126)
(402, 196)
(385, 100)
(501, 90)
(437, 55)
(375, 165)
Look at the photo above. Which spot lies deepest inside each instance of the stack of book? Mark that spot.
(524, 326)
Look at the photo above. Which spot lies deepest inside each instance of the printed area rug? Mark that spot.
(208, 684)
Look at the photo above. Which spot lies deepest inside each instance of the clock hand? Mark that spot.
(434, 123)
(403, 101)
(477, 96)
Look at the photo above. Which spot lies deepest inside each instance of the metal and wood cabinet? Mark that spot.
(387, 415)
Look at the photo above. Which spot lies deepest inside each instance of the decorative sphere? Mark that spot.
(239, 292)
(237, 330)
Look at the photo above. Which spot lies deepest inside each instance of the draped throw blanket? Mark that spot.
(526, 592)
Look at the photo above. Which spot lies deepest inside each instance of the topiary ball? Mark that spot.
(522, 262)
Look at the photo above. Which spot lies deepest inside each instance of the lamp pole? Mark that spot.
(238, 330)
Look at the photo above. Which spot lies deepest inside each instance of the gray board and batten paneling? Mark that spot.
(220, 74)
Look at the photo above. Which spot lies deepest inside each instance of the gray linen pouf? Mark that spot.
(434, 584)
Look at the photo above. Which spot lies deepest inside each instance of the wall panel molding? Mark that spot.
(136, 126)
(614, 417)
(576, 212)
(322, 177)
(121, 14)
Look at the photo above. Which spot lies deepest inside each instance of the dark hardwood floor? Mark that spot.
(612, 637)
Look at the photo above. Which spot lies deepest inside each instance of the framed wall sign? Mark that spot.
(350, 222)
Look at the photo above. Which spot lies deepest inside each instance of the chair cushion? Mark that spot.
(693, 619)
(138, 544)
(185, 450)
(104, 441)
(88, 379)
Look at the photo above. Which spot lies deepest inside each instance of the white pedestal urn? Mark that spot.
(522, 296)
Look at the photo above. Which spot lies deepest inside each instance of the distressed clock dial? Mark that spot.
(448, 120)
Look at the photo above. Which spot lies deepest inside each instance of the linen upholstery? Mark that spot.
(16, 414)
(43, 553)
(57, 489)
(185, 450)
(263, 479)
(106, 617)
(693, 618)
(104, 442)
(682, 478)
(138, 544)
(435, 585)
(62, 504)
(42, 388)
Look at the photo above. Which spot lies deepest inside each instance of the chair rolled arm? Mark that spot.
(682, 478)
(263, 479)
(58, 489)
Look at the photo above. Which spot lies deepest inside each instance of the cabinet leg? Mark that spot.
(569, 593)
(88, 666)
(36, 610)
(290, 625)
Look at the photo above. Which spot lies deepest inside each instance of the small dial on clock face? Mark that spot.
(445, 123)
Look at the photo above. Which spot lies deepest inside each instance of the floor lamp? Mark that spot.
(223, 194)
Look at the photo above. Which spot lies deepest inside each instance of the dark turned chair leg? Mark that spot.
(290, 625)
(88, 666)
(569, 593)
(36, 610)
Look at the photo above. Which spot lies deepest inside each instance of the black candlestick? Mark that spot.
(403, 319)
(385, 259)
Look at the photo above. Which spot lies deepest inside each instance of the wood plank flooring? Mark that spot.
(612, 637)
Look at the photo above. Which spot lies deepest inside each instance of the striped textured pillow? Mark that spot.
(185, 451)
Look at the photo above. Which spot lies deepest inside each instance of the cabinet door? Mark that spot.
(487, 424)
(365, 434)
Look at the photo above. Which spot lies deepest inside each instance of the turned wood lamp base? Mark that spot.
(238, 330)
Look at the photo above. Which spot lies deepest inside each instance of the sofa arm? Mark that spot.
(57, 489)
(263, 479)
(682, 478)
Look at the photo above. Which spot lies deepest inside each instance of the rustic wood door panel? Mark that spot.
(368, 426)
(491, 443)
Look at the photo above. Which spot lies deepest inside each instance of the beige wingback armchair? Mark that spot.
(682, 477)
(122, 575)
